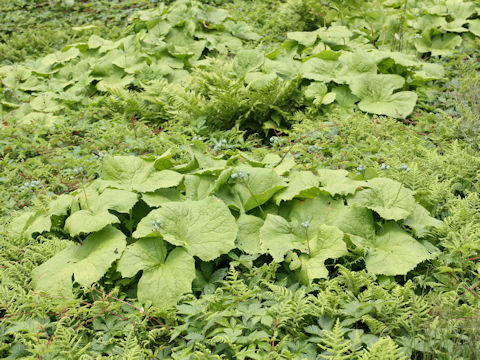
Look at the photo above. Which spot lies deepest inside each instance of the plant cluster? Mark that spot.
(152, 215)
(282, 224)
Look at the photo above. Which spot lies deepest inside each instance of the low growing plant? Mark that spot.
(162, 218)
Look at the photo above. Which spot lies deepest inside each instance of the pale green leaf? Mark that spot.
(336, 182)
(355, 221)
(60, 57)
(421, 221)
(247, 61)
(164, 284)
(344, 96)
(29, 223)
(358, 63)
(160, 196)
(285, 67)
(474, 27)
(86, 221)
(278, 236)
(45, 103)
(328, 244)
(205, 228)
(389, 198)
(430, 72)
(87, 262)
(394, 252)
(376, 95)
(198, 187)
(334, 34)
(253, 190)
(95, 215)
(304, 38)
(143, 254)
(439, 44)
(134, 173)
(320, 69)
(248, 237)
(302, 184)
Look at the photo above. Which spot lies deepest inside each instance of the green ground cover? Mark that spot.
(240, 179)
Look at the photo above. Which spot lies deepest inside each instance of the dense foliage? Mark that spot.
(208, 181)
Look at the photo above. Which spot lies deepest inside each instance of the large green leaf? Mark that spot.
(247, 61)
(439, 44)
(205, 228)
(86, 221)
(248, 237)
(165, 278)
(460, 9)
(394, 252)
(96, 215)
(87, 262)
(334, 34)
(389, 198)
(61, 57)
(421, 221)
(328, 244)
(376, 95)
(354, 221)
(29, 223)
(278, 236)
(304, 38)
(302, 184)
(160, 196)
(255, 188)
(336, 182)
(355, 64)
(198, 187)
(134, 173)
(320, 69)
(319, 93)
(474, 27)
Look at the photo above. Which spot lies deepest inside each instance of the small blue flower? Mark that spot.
(274, 140)
(361, 168)
(156, 225)
(234, 176)
(305, 224)
(384, 167)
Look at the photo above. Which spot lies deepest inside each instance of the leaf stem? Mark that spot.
(254, 197)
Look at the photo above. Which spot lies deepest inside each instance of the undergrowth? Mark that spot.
(238, 308)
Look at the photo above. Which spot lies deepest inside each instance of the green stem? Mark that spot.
(308, 242)
(85, 194)
(253, 195)
(398, 193)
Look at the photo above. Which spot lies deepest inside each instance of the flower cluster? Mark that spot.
(274, 140)
(384, 167)
(78, 170)
(220, 145)
(404, 168)
(30, 184)
(360, 169)
(240, 174)
(99, 156)
(156, 225)
(314, 148)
